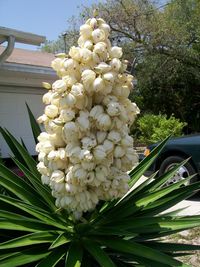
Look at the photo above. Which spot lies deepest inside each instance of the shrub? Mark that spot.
(153, 128)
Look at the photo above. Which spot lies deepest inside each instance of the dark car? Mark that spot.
(175, 151)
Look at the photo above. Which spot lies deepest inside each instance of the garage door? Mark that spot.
(14, 117)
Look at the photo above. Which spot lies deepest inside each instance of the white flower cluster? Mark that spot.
(86, 151)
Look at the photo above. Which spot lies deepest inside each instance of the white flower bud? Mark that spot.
(88, 142)
(108, 77)
(74, 152)
(56, 64)
(99, 152)
(113, 109)
(106, 28)
(86, 55)
(71, 65)
(100, 48)
(80, 174)
(108, 146)
(88, 77)
(42, 119)
(68, 101)
(52, 155)
(70, 131)
(109, 98)
(114, 136)
(46, 85)
(83, 123)
(51, 111)
(75, 53)
(58, 176)
(98, 35)
(41, 156)
(42, 168)
(98, 84)
(55, 99)
(56, 139)
(90, 177)
(59, 86)
(125, 91)
(58, 187)
(116, 52)
(104, 122)
(101, 136)
(119, 152)
(46, 99)
(102, 68)
(77, 89)
(69, 80)
(67, 115)
(43, 136)
(115, 63)
(93, 23)
(96, 111)
(127, 141)
(117, 163)
(86, 31)
(86, 155)
(45, 179)
(89, 166)
(96, 58)
(88, 44)
(100, 176)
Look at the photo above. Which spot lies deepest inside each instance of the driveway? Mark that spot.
(191, 207)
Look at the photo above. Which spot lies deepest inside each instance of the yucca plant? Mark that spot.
(78, 206)
(124, 232)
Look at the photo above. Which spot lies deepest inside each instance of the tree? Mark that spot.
(168, 77)
(161, 41)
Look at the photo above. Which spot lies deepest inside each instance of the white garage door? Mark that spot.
(14, 116)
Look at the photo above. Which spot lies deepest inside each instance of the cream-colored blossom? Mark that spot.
(71, 65)
(116, 52)
(88, 77)
(75, 53)
(51, 111)
(56, 64)
(104, 122)
(86, 55)
(85, 150)
(59, 86)
(66, 115)
(102, 68)
(46, 99)
(98, 35)
(98, 84)
(100, 48)
(115, 64)
(86, 31)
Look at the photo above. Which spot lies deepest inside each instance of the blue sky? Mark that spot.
(43, 17)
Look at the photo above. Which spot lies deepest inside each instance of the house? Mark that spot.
(21, 75)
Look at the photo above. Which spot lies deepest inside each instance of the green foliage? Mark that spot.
(154, 128)
(123, 232)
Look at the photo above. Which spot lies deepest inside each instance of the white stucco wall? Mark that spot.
(14, 116)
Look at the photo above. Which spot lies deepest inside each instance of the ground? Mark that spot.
(188, 237)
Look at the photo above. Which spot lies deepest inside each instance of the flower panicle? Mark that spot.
(86, 150)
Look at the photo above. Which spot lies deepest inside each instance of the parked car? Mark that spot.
(175, 151)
